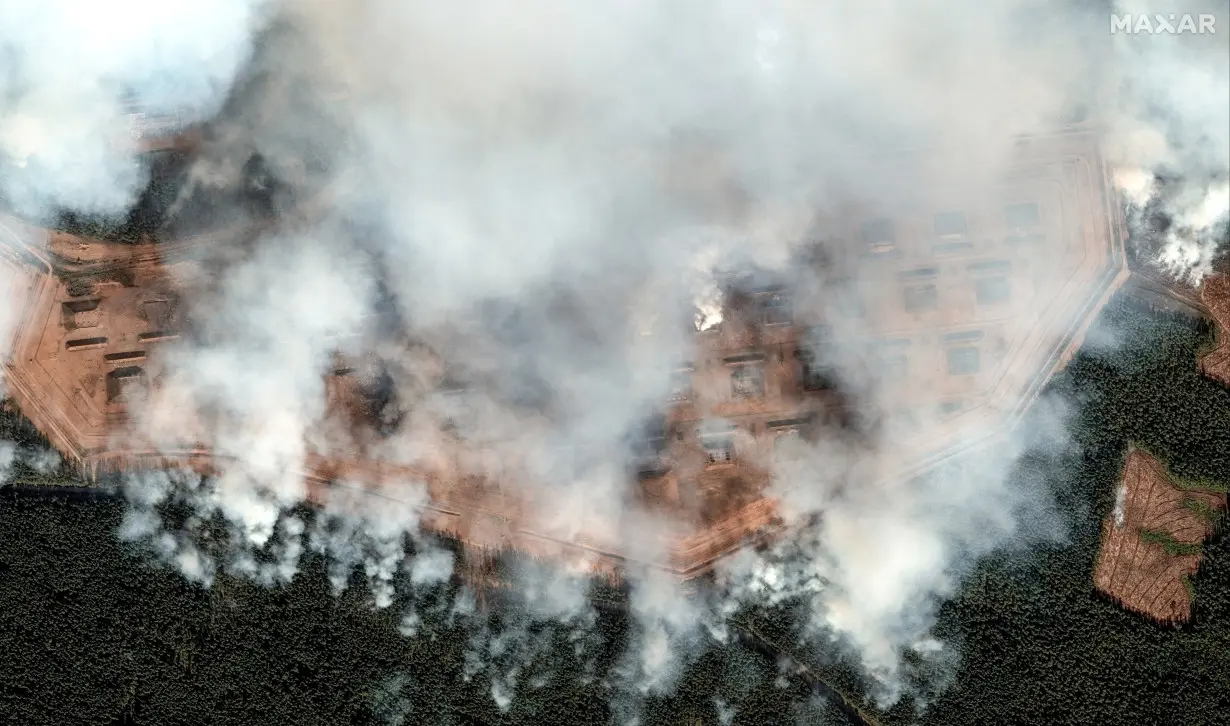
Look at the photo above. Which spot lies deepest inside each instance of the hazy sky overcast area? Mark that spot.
(465, 171)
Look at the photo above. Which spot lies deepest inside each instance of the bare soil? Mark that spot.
(1215, 294)
(1140, 574)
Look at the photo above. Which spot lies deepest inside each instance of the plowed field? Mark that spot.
(1139, 571)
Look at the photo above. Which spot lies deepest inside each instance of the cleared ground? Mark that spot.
(1151, 542)
(1215, 294)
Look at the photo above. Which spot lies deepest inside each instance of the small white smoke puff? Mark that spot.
(8, 455)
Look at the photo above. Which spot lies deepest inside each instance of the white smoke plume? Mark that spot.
(532, 197)
(68, 67)
(44, 461)
(882, 559)
(8, 454)
(1172, 120)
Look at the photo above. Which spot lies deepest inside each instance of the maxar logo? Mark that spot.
(1150, 24)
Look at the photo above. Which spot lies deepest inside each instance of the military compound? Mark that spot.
(969, 308)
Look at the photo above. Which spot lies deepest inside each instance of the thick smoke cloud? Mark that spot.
(67, 68)
(1172, 120)
(532, 198)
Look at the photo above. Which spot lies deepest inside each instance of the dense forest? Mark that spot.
(94, 633)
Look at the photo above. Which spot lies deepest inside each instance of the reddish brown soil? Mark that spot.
(1215, 294)
(1139, 574)
(187, 141)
